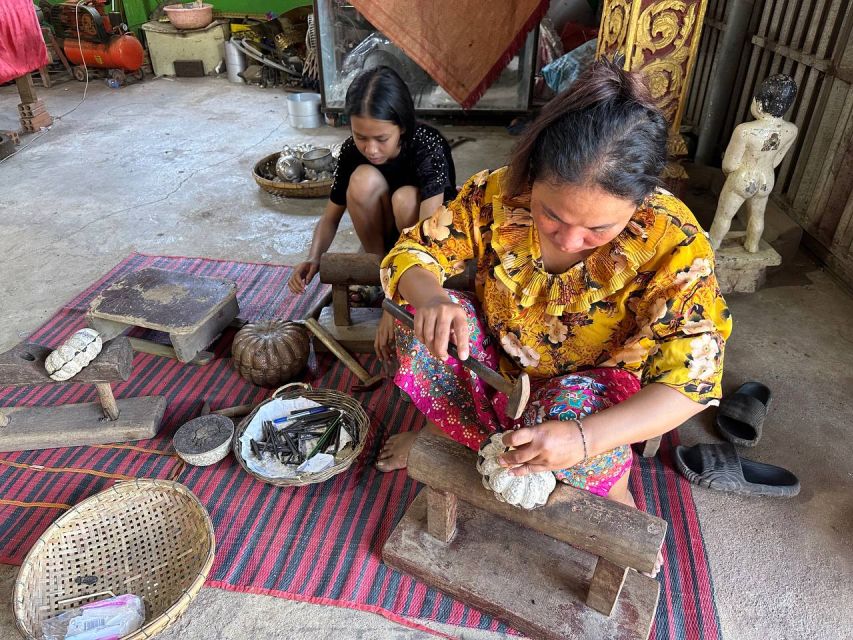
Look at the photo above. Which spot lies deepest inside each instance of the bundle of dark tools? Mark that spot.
(304, 434)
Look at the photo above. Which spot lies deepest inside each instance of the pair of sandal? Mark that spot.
(740, 420)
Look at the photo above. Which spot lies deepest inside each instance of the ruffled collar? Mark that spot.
(602, 273)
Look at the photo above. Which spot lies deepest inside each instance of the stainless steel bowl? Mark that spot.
(318, 159)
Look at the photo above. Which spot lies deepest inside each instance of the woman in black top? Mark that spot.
(392, 172)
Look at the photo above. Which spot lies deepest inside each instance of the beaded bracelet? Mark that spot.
(583, 439)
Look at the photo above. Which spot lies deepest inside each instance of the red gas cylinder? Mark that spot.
(123, 52)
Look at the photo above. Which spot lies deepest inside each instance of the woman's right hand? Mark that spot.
(303, 273)
(437, 322)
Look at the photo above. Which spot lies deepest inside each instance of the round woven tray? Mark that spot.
(152, 538)
(264, 173)
(353, 410)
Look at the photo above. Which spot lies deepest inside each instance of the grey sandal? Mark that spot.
(740, 417)
(718, 466)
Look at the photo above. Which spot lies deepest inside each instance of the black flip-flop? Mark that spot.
(718, 466)
(740, 416)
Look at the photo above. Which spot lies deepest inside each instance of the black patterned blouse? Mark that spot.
(425, 162)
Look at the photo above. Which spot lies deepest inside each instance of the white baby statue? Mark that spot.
(755, 150)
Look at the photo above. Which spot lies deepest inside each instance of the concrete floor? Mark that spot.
(164, 167)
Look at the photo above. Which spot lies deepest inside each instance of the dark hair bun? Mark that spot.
(604, 130)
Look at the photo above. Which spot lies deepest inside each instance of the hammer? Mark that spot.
(518, 392)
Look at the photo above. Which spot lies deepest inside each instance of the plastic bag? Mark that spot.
(108, 619)
(562, 72)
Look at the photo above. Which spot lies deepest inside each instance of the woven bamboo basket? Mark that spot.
(353, 410)
(264, 173)
(152, 538)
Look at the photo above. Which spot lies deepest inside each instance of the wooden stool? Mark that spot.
(193, 310)
(355, 328)
(126, 419)
(558, 572)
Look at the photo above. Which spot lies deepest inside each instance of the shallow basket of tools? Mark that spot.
(354, 421)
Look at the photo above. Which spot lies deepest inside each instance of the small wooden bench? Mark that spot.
(558, 572)
(193, 310)
(355, 328)
(111, 420)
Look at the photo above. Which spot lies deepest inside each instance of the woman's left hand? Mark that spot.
(549, 446)
(384, 341)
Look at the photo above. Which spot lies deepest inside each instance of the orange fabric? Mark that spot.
(462, 44)
(22, 47)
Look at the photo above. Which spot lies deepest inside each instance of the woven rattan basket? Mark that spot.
(335, 399)
(264, 173)
(152, 538)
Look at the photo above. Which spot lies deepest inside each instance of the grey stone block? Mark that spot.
(739, 271)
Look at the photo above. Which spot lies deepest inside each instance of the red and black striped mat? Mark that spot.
(318, 543)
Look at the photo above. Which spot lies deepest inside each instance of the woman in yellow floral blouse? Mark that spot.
(592, 279)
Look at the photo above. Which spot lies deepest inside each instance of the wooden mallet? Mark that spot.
(517, 393)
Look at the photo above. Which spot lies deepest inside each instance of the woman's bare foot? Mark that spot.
(619, 492)
(395, 453)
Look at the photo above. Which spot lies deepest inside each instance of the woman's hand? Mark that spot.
(439, 320)
(303, 273)
(384, 343)
(552, 445)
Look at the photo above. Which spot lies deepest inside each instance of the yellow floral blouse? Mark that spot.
(648, 301)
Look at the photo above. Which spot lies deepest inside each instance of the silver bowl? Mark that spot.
(318, 159)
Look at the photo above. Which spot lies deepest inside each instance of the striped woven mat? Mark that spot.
(318, 543)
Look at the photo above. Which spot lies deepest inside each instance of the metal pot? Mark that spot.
(289, 168)
(318, 159)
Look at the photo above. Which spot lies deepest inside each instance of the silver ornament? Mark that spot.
(289, 167)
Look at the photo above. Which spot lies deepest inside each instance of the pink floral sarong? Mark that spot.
(468, 410)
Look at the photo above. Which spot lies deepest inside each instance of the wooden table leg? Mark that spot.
(108, 401)
(188, 345)
(441, 514)
(156, 349)
(340, 305)
(26, 89)
(45, 77)
(606, 585)
(107, 329)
